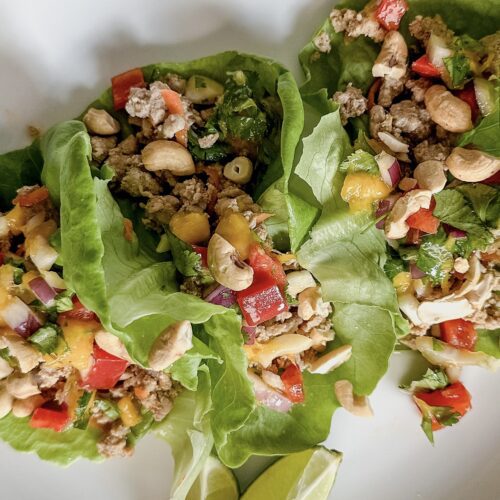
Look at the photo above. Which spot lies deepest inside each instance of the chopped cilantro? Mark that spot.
(46, 338)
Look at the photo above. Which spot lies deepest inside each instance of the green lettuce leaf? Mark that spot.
(488, 341)
(431, 380)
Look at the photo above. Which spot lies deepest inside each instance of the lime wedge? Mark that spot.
(308, 475)
(215, 482)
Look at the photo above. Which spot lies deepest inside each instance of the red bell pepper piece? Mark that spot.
(32, 198)
(459, 333)
(455, 396)
(262, 300)
(122, 83)
(390, 12)
(202, 252)
(493, 180)
(294, 384)
(174, 105)
(424, 221)
(468, 95)
(105, 372)
(260, 261)
(49, 416)
(424, 67)
(79, 311)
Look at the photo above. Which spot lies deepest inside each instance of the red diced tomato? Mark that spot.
(122, 83)
(260, 261)
(468, 95)
(79, 311)
(262, 300)
(294, 384)
(390, 12)
(423, 220)
(424, 67)
(32, 198)
(455, 396)
(202, 252)
(459, 333)
(50, 417)
(106, 370)
(413, 236)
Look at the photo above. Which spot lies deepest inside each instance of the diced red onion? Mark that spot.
(42, 290)
(416, 272)
(250, 331)
(454, 232)
(20, 317)
(272, 399)
(389, 167)
(384, 206)
(221, 296)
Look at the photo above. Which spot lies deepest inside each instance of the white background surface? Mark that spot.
(55, 57)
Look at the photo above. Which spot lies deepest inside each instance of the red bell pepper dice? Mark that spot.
(493, 180)
(260, 261)
(468, 95)
(105, 372)
(262, 300)
(455, 396)
(424, 67)
(390, 12)
(424, 221)
(202, 252)
(459, 333)
(50, 417)
(294, 384)
(79, 311)
(122, 83)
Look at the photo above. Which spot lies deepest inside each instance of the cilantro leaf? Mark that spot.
(107, 407)
(485, 201)
(186, 260)
(431, 380)
(458, 67)
(82, 411)
(393, 266)
(360, 161)
(435, 261)
(218, 152)
(443, 415)
(46, 338)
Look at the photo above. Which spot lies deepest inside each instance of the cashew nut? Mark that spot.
(471, 165)
(22, 386)
(5, 369)
(311, 304)
(5, 402)
(25, 407)
(168, 155)
(453, 114)
(430, 175)
(392, 60)
(100, 122)
(171, 345)
(409, 204)
(298, 281)
(407, 184)
(332, 360)
(284, 345)
(272, 380)
(27, 356)
(203, 90)
(226, 266)
(112, 344)
(357, 405)
(239, 170)
(461, 265)
(437, 311)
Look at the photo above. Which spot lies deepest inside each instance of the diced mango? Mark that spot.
(16, 219)
(128, 412)
(402, 282)
(284, 258)
(234, 228)
(190, 227)
(361, 190)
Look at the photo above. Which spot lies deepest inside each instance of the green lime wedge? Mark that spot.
(215, 482)
(308, 475)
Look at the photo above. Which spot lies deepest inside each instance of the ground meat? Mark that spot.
(176, 82)
(192, 194)
(121, 163)
(389, 90)
(355, 24)
(425, 151)
(274, 328)
(418, 88)
(380, 121)
(172, 125)
(147, 103)
(159, 210)
(138, 182)
(351, 101)
(128, 146)
(208, 141)
(114, 442)
(322, 42)
(192, 286)
(99, 416)
(422, 27)
(47, 377)
(159, 389)
(489, 317)
(101, 147)
(411, 119)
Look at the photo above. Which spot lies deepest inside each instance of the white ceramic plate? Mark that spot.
(57, 56)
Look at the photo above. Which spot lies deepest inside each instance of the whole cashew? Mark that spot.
(392, 59)
(430, 175)
(446, 110)
(471, 165)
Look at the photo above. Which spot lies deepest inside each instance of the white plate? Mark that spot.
(57, 56)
